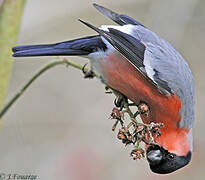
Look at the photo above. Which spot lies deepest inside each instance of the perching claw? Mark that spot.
(88, 73)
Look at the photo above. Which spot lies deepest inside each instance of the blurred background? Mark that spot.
(59, 129)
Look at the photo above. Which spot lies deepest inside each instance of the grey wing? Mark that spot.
(120, 19)
(159, 62)
(171, 69)
(123, 20)
(133, 50)
(167, 68)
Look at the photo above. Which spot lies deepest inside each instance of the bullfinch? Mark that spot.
(139, 64)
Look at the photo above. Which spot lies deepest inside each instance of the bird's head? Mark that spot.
(162, 161)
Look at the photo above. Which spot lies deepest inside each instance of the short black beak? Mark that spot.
(154, 157)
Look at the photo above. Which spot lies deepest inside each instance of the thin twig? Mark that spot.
(41, 71)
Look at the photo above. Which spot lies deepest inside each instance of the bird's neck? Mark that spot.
(175, 140)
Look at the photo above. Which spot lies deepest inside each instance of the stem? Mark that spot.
(128, 110)
(136, 114)
(41, 71)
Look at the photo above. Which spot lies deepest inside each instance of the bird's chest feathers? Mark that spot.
(124, 77)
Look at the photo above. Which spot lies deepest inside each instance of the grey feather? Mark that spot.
(120, 19)
(171, 73)
(172, 70)
(127, 45)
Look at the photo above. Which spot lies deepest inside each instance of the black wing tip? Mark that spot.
(18, 54)
(105, 11)
(14, 49)
(121, 19)
(81, 21)
(102, 9)
(14, 55)
(90, 26)
(99, 7)
(86, 23)
(96, 5)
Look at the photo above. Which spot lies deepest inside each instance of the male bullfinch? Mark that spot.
(136, 62)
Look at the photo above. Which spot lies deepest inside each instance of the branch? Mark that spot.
(140, 133)
(41, 71)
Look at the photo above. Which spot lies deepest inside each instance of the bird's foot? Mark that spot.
(88, 74)
(107, 90)
(120, 101)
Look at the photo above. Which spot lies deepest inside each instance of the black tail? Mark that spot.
(82, 46)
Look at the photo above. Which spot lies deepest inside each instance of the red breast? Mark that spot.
(124, 77)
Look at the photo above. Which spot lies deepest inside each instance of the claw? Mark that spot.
(88, 74)
(83, 69)
(107, 90)
(119, 101)
(116, 102)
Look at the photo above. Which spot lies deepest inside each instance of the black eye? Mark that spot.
(171, 156)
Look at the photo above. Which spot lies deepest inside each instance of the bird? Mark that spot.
(136, 62)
